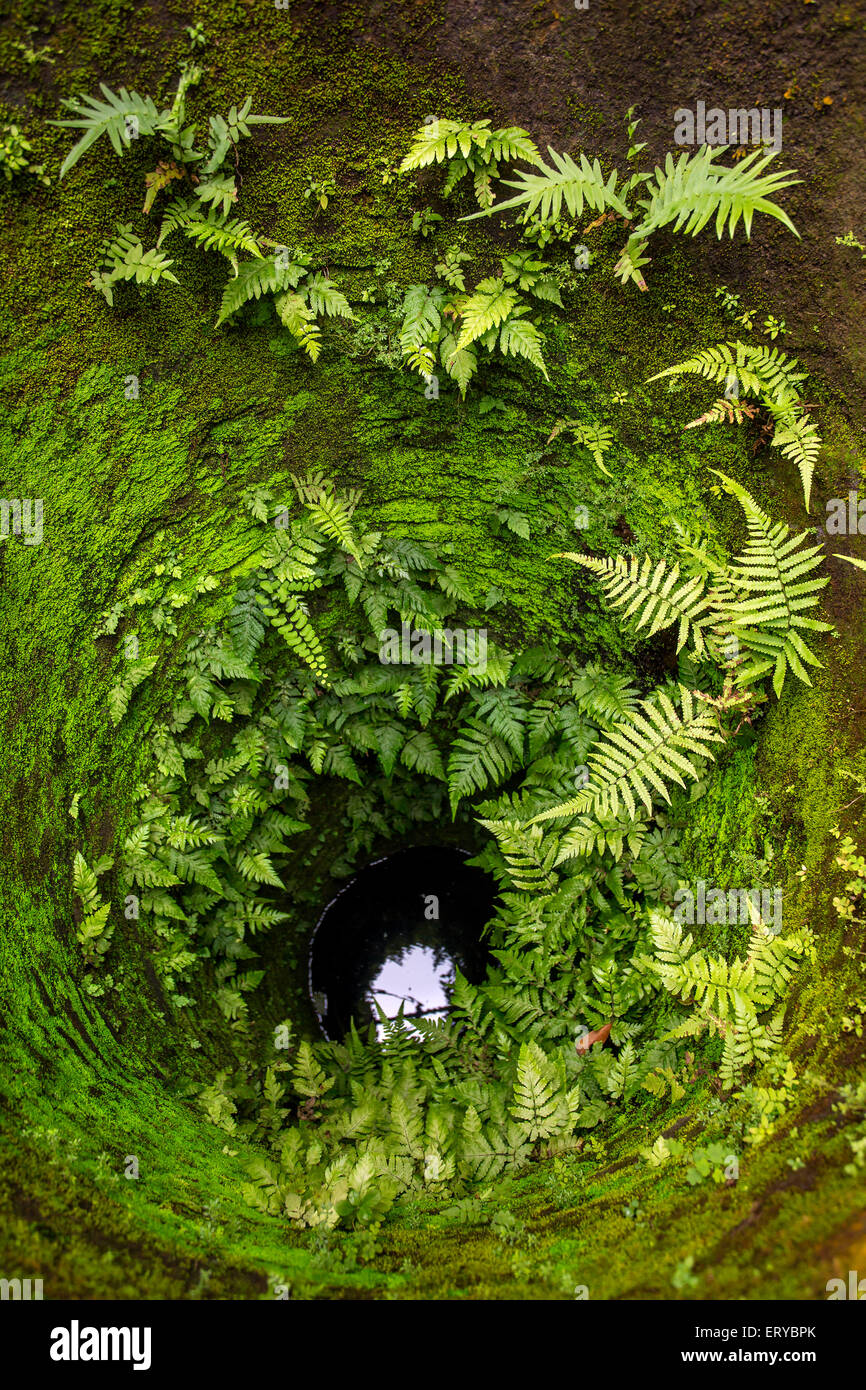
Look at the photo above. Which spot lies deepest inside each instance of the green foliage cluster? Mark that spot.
(581, 939)
(94, 931)
(203, 212)
(747, 614)
(731, 996)
(686, 193)
(451, 328)
(771, 377)
(15, 151)
(468, 149)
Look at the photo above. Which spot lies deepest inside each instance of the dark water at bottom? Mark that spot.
(396, 933)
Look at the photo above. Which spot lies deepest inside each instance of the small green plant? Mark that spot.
(849, 239)
(15, 152)
(682, 1278)
(210, 175)
(320, 191)
(454, 328)
(196, 35)
(424, 221)
(730, 300)
(468, 149)
(32, 56)
(598, 439)
(94, 930)
(301, 294)
(759, 599)
(772, 377)
(122, 258)
(773, 327)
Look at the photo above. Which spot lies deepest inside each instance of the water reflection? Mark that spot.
(418, 978)
(396, 935)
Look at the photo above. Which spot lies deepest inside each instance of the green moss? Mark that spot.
(89, 1081)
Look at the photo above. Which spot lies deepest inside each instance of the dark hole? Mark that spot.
(397, 933)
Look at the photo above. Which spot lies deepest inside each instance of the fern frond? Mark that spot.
(637, 758)
(692, 189)
(477, 760)
(295, 315)
(561, 181)
(419, 331)
(753, 371)
(123, 116)
(539, 1106)
(799, 440)
(487, 307)
(266, 275)
(323, 297)
(652, 592)
(288, 615)
(226, 235)
(521, 339)
(127, 259)
(770, 593)
(530, 856)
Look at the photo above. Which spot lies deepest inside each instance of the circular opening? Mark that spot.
(396, 935)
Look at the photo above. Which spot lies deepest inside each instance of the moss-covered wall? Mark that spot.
(88, 1078)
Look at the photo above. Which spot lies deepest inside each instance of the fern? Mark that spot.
(422, 321)
(686, 192)
(246, 624)
(529, 856)
(121, 116)
(93, 931)
(288, 615)
(228, 236)
(476, 760)
(653, 593)
(469, 149)
(266, 275)
(541, 1106)
(731, 995)
(296, 315)
(638, 757)
(521, 339)
(490, 304)
(692, 189)
(122, 257)
(120, 695)
(752, 370)
(331, 514)
(769, 374)
(562, 181)
(770, 592)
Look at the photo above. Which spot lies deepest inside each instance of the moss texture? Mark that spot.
(89, 1079)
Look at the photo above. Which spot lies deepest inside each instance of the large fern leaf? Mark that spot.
(562, 181)
(123, 116)
(637, 758)
(692, 189)
(489, 305)
(651, 594)
(770, 592)
(268, 275)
